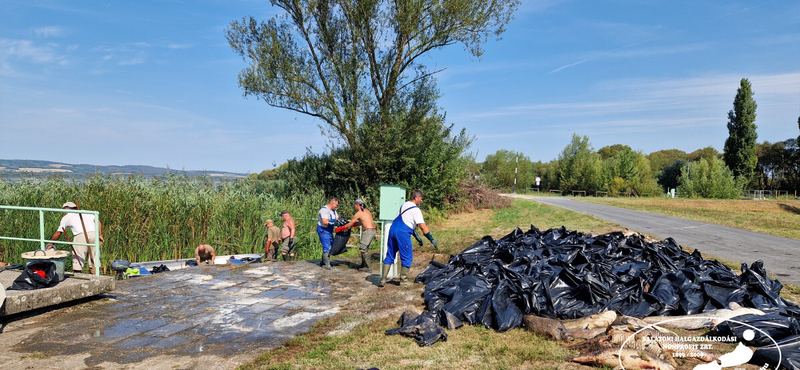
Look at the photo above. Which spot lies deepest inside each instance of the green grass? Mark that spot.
(775, 217)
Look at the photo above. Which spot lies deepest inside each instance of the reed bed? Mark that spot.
(148, 219)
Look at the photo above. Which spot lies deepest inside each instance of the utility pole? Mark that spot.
(516, 166)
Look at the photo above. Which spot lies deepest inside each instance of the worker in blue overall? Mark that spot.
(408, 218)
(326, 222)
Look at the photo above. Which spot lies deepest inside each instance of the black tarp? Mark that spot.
(560, 273)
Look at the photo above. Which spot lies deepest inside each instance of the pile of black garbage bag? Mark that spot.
(560, 273)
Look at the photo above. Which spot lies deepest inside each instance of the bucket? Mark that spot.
(55, 256)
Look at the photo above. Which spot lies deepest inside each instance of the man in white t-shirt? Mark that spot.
(326, 222)
(80, 253)
(408, 218)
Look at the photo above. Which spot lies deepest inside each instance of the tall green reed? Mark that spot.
(146, 219)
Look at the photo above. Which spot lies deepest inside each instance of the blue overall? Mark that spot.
(326, 233)
(400, 241)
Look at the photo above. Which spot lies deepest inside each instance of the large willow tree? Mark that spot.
(346, 61)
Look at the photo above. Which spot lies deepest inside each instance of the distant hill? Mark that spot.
(35, 168)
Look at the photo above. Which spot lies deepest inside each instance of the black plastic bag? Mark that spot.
(787, 350)
(425, 329)
(37, 275)
(339, 244)
(559, 273)
(774, 324)
(159, 268)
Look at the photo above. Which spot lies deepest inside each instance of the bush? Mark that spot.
(708, 179)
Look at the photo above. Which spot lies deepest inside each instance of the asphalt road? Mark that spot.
(781, 256)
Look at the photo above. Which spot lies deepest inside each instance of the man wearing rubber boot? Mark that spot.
(363, 218)
(326, 221)
(409, 217)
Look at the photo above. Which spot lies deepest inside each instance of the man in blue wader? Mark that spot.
(409, 217)
(326, 221)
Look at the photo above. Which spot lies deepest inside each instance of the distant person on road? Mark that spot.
(363, 218)
(80, 253)
(287, 236)
(273, 241)
(326, 222)
(204, 253)
(408, 218)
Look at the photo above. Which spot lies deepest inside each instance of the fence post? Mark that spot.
(41, 229)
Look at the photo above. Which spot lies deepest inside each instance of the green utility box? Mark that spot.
(392, 197)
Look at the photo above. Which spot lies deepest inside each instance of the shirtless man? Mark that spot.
(287, 236)
(363, 217)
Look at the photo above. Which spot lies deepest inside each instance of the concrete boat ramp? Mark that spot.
(74, 287)
(206, 317)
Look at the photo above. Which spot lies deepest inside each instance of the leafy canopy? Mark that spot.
(343, 60)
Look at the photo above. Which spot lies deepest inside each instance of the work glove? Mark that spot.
(416, 236)
(340, 229)
(433, 241)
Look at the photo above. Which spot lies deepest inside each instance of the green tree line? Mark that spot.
(619, 169)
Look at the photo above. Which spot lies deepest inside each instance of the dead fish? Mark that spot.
(659, 344)
(546, 327)
(702, 320)
(597, 321)
(587, 333)
(636, 324)
(645, 340)
(630, 359)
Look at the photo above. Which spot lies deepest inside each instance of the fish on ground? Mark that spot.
(597, 321)
(703, 320)
(546, 327)
(629, 359)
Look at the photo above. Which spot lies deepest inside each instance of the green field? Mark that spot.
(776, 217)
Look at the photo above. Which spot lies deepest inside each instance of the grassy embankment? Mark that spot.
(776, 217)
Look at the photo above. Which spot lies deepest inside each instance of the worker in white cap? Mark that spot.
(80, 253)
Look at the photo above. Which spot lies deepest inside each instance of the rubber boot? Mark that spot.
(326, 261)
(384, 275)
(364, 263)
(404, 276)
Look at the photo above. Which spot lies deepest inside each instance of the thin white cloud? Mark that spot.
(140, 59)
(537, 6)
(698, 101)
(28, 51)
(180, 46)
(570, 65)
(51, 31)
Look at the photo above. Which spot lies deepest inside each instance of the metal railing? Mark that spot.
(43, 241)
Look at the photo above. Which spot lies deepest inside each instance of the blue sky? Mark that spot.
(155, 82)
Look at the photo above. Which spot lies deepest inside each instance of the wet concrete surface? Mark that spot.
(206, 317)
